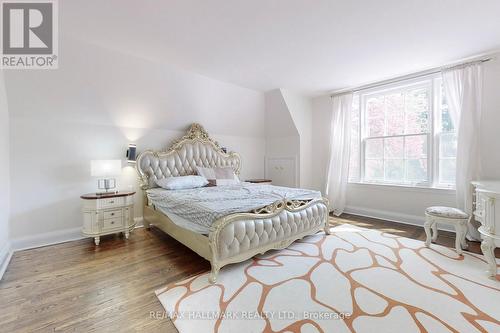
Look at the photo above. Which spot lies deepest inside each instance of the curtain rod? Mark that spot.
(407, 77)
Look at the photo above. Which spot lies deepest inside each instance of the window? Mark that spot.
(403, 135)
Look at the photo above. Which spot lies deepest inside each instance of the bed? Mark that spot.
(278, 217)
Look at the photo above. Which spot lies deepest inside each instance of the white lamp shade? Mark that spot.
(105, 168)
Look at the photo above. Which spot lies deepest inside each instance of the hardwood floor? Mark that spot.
(77, 287)
(445, 238)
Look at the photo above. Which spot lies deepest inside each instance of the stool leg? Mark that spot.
(458, 239)
(464, 233)
(427, 227)
(434, 231)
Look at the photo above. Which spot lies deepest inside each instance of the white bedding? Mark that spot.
(196, 209)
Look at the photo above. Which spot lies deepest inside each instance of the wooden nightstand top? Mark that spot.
(256, 181)
(95, 196)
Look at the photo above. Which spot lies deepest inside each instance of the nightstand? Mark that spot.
(259, 181)
(105, 214)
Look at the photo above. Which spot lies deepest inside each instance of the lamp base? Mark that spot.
(106, 184)
(103, 194)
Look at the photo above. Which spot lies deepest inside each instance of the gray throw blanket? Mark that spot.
(205, 205)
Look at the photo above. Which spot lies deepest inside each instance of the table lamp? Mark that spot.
(105, 170)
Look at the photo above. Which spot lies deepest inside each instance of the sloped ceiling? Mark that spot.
(97, 86)
(309, 46)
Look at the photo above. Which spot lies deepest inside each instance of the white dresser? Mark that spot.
(486, 206)
(107, 214)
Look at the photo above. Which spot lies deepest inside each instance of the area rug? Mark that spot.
(355, 280)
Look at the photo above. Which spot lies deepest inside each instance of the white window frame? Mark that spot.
(432, 82)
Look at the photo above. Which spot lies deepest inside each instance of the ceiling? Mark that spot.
(305, 45)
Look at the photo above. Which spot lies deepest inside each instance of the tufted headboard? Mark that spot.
(196, 148)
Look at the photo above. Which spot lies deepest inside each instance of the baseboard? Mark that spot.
(393, 217)
(5, 256)
(139, 222)
(55, 237)
(47, 238)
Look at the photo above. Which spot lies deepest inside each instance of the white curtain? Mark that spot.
(463, 90)
(338, 161)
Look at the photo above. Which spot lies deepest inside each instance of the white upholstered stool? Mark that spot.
(446, 215)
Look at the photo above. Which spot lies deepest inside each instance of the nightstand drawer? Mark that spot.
(110, 202)
(111, 214)
(112, 223)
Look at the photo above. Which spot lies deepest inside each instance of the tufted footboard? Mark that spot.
(237, 237)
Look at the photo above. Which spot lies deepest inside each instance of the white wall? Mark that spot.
(289, 134)
(4, 177)
(96, 103)
(300, 108)
(282, 137)
(321, 122)
(407, 204)
(490, 122)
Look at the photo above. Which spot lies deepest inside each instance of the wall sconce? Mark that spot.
(132, 153)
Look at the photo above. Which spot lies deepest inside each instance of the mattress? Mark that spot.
(197, 209)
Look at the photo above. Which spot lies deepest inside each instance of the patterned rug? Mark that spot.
(355, 280)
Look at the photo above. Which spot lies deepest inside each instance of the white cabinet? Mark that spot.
(283, 171)
(107, 214)
(487, 212)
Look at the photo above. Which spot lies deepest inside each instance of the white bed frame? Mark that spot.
(235, 237)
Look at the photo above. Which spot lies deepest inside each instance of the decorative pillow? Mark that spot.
(182, 182)
(208, 173)
(225, 173)
(222, 175)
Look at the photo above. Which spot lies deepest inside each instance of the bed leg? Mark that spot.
(212, 278)
(146, 224)
(327, 227)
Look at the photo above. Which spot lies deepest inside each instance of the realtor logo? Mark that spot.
(29, 34)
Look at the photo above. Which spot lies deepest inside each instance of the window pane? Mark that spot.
(416, 146)
(375, 107)
(417, 100)
(448, 145)
(374, 149)
(394, 171)
(416, 170)
(446, 124)
(376, 126)
(394, 147)
(447, 169)
(417, 122)
(354, 162)
(395, 113)
(374, 170)
(417, 111)
(375, 116)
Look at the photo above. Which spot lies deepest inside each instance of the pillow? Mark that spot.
(208, 173)
(225, 173)
(182, 182)
(222, 175)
